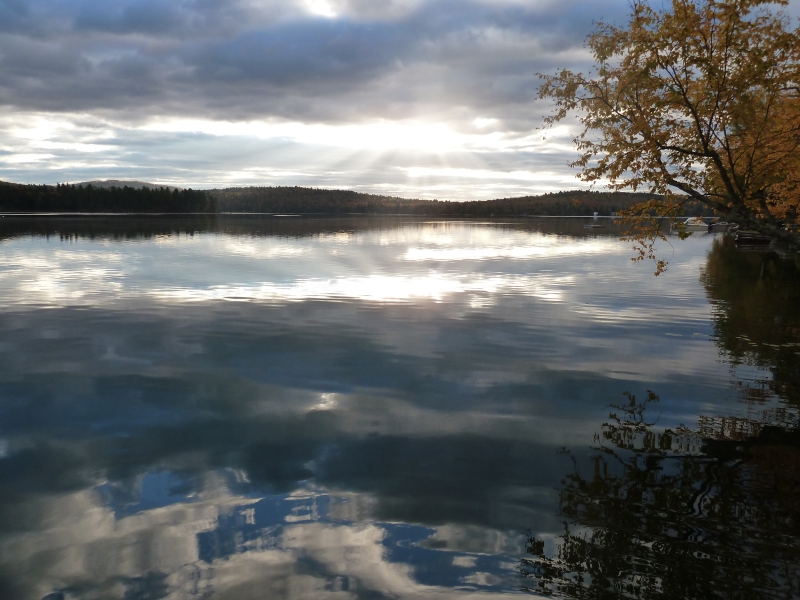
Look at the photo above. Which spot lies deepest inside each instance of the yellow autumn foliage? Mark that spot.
(698, 100)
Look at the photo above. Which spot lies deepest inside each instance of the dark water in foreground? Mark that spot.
(383, 408)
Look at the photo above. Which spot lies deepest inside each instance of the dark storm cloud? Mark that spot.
(304, 55)
(177, 20)
(149, 17)
(14, 14)
(238, 59)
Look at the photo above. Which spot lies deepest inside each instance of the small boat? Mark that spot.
(593, 226)
(701, 224)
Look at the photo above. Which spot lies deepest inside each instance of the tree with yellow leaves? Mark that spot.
(700, 100)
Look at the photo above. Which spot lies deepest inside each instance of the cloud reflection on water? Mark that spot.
(378, 288)
(357, 424)
(555, 250)
(299, 545)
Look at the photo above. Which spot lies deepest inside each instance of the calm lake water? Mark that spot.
(388, 408)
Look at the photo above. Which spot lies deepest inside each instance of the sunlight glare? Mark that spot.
(381, 135)
(321, 8)
(418, 172)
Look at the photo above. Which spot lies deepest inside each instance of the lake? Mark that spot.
(294, 407)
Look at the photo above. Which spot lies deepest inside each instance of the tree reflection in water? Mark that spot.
(712, 512)
(756, 299)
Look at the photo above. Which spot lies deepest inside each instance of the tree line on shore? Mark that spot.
(311, 200)
(65, 198)
(299, 200)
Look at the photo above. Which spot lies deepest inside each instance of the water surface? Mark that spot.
(389, 408)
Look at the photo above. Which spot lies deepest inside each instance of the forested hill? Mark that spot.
(298, 200)
(310, 200)
(108, 183)
(88, 198)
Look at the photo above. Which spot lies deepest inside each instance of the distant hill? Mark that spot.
(319, 201)
(141, 197)
(109, 183)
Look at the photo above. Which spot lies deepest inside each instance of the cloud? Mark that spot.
(395, 159)
(13, 13)
(276, 60)
(318, 57)
(469, 67)
(151, 17)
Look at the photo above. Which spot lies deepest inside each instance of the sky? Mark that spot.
(411, 98)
